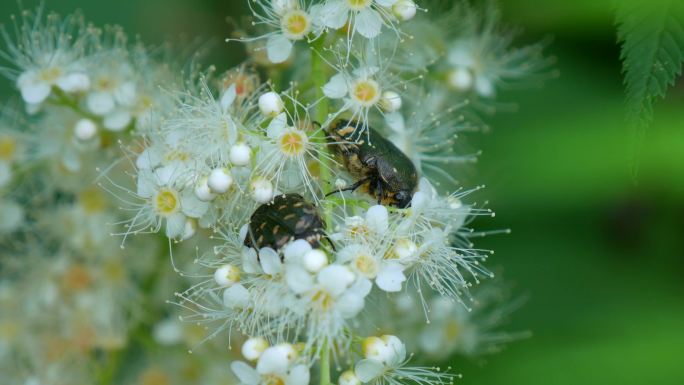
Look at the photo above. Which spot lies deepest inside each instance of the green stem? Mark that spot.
(319, 77)
(325, 365)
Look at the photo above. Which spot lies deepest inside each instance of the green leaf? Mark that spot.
(652, 37)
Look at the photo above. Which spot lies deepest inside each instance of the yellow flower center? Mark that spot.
(293, 142)
(366, 265)
(366, 92)
(105, 84)
(50, 75)
(323, 299)
(452, 330)
(296, 24)
(8, 148)
(166, 202)
(272, 379)
(358, 5)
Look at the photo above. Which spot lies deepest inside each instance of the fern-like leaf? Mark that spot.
(652, 37)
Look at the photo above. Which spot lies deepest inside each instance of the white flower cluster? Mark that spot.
(305, 197)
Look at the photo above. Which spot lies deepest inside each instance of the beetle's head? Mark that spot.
(402, 198)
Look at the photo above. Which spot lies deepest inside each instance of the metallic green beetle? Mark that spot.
(381, 168)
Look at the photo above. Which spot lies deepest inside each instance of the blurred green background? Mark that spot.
(599, 250)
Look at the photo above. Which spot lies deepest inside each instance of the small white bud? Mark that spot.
(385, 349)
(262, 190)
(190, 229)
(461, 79)
(404, 9)
(390, 101)
(340, 183)
(315, 260)
(85, 129)
(227, 275)
(220, 180)
(270, 104)
(202, 190)
(253, 347)
(349, 378)
(240, 154)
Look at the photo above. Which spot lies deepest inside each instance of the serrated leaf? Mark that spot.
(652, 37)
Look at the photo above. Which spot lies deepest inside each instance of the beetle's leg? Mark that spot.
(350, 188)
(378, 190)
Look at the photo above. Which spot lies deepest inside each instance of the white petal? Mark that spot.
(377, 219)
(117, 120)
(126, 94)
(146, 185)
(396, 122)
(192, 206)
(236, 297)
(368, 23)
(100, 103)
(175, 225)
(335, 279)
(273, 361)
(299, 375)
(335, 14)
(228, 98)
(484, 86)
(298, 279)
(277, 126)
(386, 3)
(35, 93)
(349, 305)
(250, 262)
(5, 173)
(361, 287)
(245, 373)
(367, 369)
(149, 158)
(336, 87)
(270, 261)
(296, 250)
(278, 48)
(75, 82)
(390, 278)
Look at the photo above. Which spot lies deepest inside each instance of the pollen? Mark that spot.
(166, 202)
(358, 5)
(296, 24)
(323, 299)
(8, 148)
(366, 92)
(50, 74)
(293, 142)
(366, 265)
(92, 201)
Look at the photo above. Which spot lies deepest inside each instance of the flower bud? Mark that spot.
(460, 79)
(404, 10)
(315, 260)
(270, 104)
(390, 101)
(85, 129)
(349, 378)
(262, 190)
(253, 347)
(202, 190)
(189, 229)
(220, 180)
(227, 275)
(240, 154)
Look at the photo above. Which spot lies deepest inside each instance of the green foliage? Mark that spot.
(652, 37)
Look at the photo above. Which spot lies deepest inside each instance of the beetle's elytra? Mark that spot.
(381, 169)
(288, 217)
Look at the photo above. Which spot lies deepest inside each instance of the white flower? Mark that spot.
(271, 104)
(275, 365)
(363, 16)
(164, 198)
(386, 363)
(290, 20)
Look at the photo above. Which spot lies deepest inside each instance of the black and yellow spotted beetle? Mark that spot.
(381, 168)
(286, 218)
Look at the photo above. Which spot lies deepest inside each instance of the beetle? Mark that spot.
(382, 170)
(286, 218)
